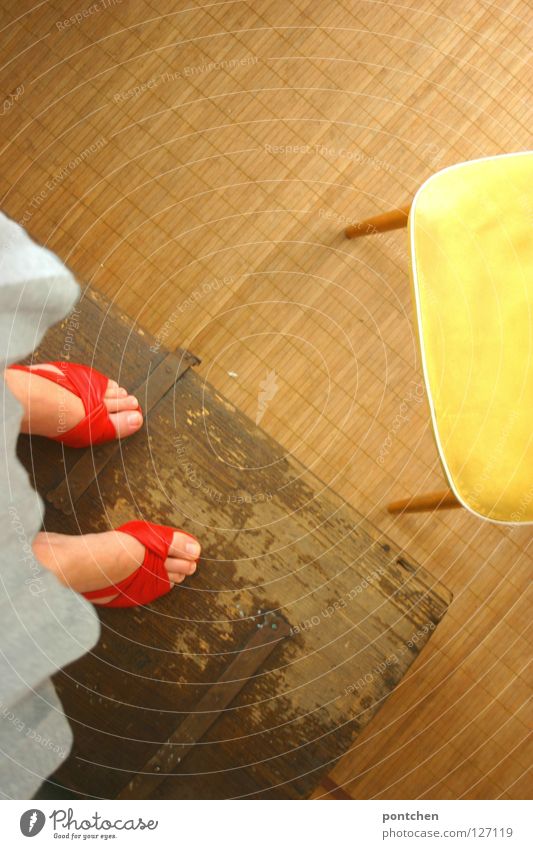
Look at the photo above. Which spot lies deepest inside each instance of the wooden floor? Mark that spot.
(197, 164)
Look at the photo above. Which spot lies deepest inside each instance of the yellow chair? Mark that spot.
(471, 243)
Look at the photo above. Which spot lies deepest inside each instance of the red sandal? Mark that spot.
(90, 387)
(150, 580)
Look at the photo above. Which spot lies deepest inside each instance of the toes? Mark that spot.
(184, 546)
(126, 423)
(114, 390)
(118, 404)
(176, 579)
(178, 568)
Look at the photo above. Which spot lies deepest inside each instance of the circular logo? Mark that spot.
(31, 822)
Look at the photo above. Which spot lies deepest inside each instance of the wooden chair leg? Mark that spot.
(443, 500)
(393, 220)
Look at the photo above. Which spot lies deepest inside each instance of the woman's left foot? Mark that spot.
(50, 408)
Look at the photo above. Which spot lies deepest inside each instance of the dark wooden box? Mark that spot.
(253, 677)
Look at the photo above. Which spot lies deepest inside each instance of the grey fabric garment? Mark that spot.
(43, 625)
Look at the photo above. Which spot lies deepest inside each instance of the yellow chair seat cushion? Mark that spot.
(471, 239)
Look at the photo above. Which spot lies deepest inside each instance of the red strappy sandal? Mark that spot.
(90, 386)
(150, 580)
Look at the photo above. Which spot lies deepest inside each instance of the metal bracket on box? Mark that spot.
(176, 748)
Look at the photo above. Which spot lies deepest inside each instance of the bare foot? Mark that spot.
(93, 561)
(50, 408)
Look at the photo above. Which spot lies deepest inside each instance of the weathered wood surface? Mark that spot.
(274, 539)
(217, 698)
